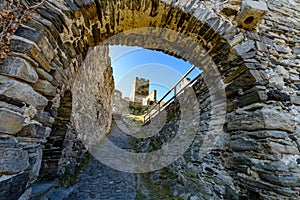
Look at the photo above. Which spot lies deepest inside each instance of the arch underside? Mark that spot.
(50, 55)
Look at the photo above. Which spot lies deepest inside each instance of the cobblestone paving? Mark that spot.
(100, 182)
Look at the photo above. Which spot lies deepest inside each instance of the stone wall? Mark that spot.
(260, 69)
(63, 150)
(40, 140)
(195, 174)
(140, 89)
(261, 157)
(266, 154)
(93, 90)
(150, 99)
(120, 105)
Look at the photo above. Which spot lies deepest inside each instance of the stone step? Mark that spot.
(59, 194)
(49, 174)
(59, 130)
(55, 137)
(52, 156)
(40, 189)
(47, 152)
(50, 162)
(49, 146)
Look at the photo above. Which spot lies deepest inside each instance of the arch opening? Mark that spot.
(75, 57)
(61, 54)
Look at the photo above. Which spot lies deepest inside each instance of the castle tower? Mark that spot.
(140, 89)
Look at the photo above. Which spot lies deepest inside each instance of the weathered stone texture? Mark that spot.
(251, 14)
(21, 91)
(94, 81)
(50, 55)
(19, 68)
(11, 122)
(13, 160)
(12, 187)
(195, 167)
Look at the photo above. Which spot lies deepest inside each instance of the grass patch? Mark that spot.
(70, 176)
(160, 189)
(138, 119)
(137, 110)
(113, 122)
(166, 173)
(140, 196)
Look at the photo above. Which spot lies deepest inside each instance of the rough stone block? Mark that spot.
(295, 100)
(277, 148)
(35, 160)
(12, 187)
(11, 107)
(278, 120)
(38, 38)
(45, 88)
(10, 122)
(244, 47)
(278, 96)
(261, 119)
(254, 183)
(22, 92)
(245, 79)
(22, 45)
(252, 97)
(245, 145)
(35, 131)
(280, 49)
(268, 134)
(262, 46)
(13, 161)
(19, 68)
(44, 117)
(7, 141)
(296, 51)
(44, 75)
(282, 71)
(290, 181)
(252, 12)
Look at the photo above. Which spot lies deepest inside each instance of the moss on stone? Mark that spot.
(70, 176)
(160, 189)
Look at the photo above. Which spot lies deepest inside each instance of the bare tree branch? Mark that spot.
(12, 14)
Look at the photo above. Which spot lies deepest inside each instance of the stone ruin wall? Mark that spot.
(221, 173)
(120, 105)
(150, 99)
(191, 174)
(140, 89)
(259, 158)
(48, 143)
(260, 70)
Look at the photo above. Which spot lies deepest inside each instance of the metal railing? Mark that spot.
(157, 108)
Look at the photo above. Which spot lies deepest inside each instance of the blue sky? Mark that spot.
(162, 70)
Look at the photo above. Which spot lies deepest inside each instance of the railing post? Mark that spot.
(159, 108)
(175, 93)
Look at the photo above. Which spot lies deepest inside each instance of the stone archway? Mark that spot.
(49, 50)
